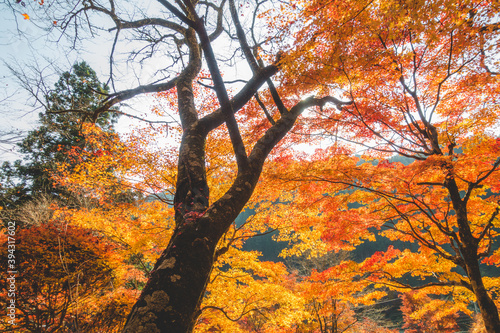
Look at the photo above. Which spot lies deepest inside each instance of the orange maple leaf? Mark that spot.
(26, 16)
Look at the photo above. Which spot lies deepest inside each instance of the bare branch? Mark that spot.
(263, 107)
(226, 315)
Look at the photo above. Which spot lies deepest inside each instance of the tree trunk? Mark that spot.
(469, 251)
(489, 311)
(171, 298)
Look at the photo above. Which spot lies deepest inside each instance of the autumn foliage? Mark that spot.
(423, 314)
(407, 156)
(64, 271)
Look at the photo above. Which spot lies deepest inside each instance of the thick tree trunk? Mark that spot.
(171, 298)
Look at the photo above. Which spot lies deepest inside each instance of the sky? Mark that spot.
(34, 44)
(29, 46)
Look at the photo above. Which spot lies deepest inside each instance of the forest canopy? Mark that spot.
(362, 135)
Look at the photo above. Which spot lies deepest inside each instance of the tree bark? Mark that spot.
(469, 251)
(489, 311)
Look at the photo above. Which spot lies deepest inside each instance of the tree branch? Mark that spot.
(178, 13)
(121, 96)
(216, 118)
(222, 96)
(242, 38)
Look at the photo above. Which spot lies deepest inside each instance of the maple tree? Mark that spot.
(171, 298)
(422, 79)
(423, 315)
(146, 227)
(337, 298)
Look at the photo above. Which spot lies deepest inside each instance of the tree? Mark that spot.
(170, 300)
(79, 92)
(423, 82)
(242, 293)
(31, 196)
(338, 298)
(62, 269)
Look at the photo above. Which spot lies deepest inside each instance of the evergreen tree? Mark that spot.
(76, 95)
